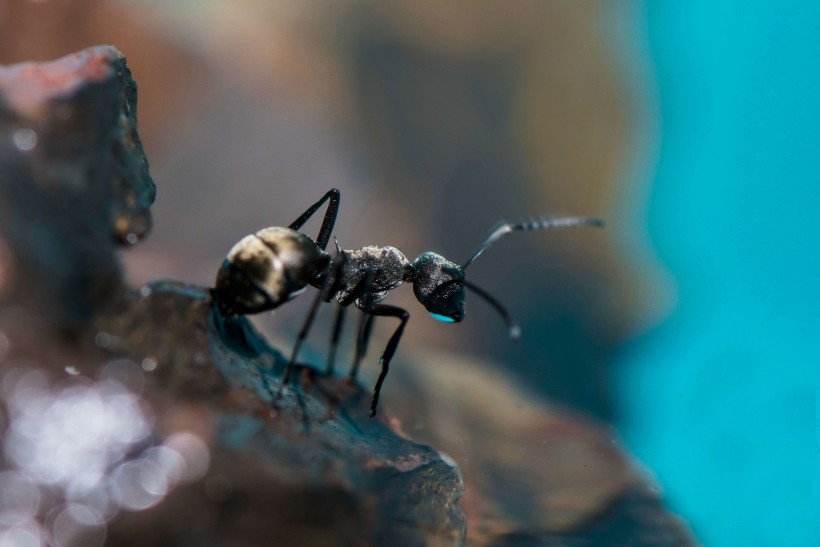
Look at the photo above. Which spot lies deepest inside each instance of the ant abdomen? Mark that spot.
(266, 269)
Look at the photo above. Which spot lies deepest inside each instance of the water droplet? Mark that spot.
(193, 451)
(145, 291)
(148, 364)
(132, 238)
(25, 535)
(138, 484)
(72, 371)
(103, 339)
(77, 525)
(169, 460)
(25, 139)
(90, 427)
(22, 386)
(97, 499)
(19, 498)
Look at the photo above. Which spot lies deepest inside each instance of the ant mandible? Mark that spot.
(266, 269)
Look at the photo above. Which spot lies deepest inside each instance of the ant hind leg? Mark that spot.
(338, 324)
(327, 223)
(303, 332)
(322, 295)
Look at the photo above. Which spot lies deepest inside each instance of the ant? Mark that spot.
(274, 265)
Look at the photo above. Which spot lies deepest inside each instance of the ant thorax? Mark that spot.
(369, 273)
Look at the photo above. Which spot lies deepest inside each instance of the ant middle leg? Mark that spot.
(358, 294)
(402, 315)
(328, 222)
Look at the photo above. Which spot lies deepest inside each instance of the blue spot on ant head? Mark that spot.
(442, 318)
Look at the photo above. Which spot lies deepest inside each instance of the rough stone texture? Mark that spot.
(313, 471)
(74, 179)
(310, 470)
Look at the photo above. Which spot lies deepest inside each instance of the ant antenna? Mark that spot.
(535, 224)
(513, 330)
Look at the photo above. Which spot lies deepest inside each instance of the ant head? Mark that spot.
(267, 269)
(439, 286)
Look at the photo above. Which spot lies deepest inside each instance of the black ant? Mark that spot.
(266, 269)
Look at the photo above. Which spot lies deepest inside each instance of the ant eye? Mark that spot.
(442, 318)
(446, 303)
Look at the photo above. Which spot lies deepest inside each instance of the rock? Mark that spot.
(147, 414)
(314, 462)
(73, 179)
(535, 473)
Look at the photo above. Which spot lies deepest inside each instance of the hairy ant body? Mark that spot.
(272, 266)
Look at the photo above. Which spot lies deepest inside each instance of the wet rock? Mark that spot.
(165, 407)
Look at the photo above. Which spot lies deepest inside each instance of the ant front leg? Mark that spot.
(327, 223)
(361, 291)
(402, 315)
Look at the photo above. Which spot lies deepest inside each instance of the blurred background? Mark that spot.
(689, 324)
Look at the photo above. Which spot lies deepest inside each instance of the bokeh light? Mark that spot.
(81, 450)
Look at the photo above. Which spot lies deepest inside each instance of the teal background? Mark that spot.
(718, 400)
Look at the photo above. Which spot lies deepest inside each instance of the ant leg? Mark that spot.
(360, 293)
(362, 340)
(330, 217)
(334, 340)
(324, 294)
(392, 344)
(299, 339)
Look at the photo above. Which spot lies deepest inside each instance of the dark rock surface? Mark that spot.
(144, 417)
(74, 180)
(314, 471)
